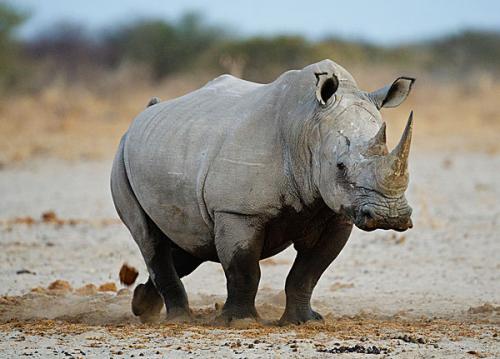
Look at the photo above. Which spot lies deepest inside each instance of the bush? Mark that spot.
(165, 47)
(10, 66)
(262, 59)
(162, 48)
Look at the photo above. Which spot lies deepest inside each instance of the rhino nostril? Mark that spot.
(367, 212)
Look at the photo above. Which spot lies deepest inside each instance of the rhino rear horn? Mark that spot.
(377, 144)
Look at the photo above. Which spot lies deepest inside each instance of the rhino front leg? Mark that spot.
(239, 240)
(308, 267)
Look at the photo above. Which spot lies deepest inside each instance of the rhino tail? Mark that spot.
(153, 101)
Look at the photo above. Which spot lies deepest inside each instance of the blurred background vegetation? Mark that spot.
(155, 48)
(69, 92)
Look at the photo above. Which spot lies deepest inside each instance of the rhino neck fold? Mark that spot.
(298, 160)
(295, 127)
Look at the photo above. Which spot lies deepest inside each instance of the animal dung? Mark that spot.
(107, 287)
(63, 286)
(128, 274)
(60, 285)
(49, 217)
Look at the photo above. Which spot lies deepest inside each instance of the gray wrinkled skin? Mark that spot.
(237, 171)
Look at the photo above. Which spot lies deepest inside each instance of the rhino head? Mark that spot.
(356, 174)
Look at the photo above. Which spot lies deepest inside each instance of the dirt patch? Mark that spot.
(121, 334)
(431, 291)
(51, 218)
(60, 303)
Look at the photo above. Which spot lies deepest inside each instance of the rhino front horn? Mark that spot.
(392, 170)
(402, 150)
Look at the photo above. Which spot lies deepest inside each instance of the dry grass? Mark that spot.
(453, 118)
(73, 122)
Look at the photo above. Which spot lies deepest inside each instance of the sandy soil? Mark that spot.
(431, 291)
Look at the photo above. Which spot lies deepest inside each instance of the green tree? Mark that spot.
(166, 47)
(265, 58)
(9, 49)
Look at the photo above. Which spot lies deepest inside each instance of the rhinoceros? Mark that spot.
(237, 171)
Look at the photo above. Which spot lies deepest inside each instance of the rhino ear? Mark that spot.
(392, 95)
(326, 86)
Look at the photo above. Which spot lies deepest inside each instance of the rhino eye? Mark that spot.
(341, 166)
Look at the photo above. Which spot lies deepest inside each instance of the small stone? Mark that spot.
(25, 271)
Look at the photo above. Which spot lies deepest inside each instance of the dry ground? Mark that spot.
(431, 291)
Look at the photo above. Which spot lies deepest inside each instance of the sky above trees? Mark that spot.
(388, 22)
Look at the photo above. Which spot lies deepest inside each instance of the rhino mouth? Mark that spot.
(368, 223)
(380, 212)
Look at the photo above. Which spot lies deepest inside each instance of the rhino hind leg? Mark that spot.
(156, 249)
(307, 268)
(147, 303)
(184, 262)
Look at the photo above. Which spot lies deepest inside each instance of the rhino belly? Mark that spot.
(185, 227)
(172, 204)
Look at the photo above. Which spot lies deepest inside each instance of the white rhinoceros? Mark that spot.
(237, 171)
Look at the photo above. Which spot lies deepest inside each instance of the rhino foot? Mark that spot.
(300, 317)
(179, 315)
(237, 317)
(147, 303)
